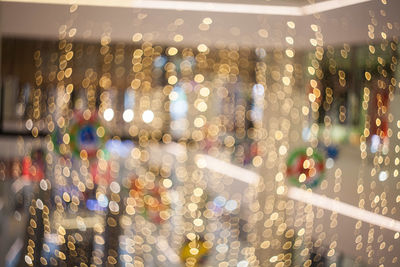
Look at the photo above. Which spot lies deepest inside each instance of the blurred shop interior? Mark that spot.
(199, 133)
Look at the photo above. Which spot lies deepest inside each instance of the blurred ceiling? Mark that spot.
(253, 23)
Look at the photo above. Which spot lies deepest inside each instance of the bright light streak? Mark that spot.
(208, 6)
(175, 149)
(217, 165)
(343, 208)
(227, 169)
(329, 5)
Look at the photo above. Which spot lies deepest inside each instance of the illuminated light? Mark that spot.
(93, 204)
(66, 197)
(329, 163)
(202, 106)
(115, 187)
(87, 222)
(291, 24)
(383, 175)
(172, 51)
(204, 27)
(28, 260)
(231, 205)
(306, 134)
(198, 192)
(263, 33)
(202, 48)
(160, 61)
(137, 37)
(39, 204)
(286, 80)
(175, 149)
(290, 52)
(258, 89)
(210, 6)
(273, 259)
(313, 42)
(100, 131)
(343, 208)
(113, 206)
(120, 148)
(172, 79)
(204, 91)
(201, 162)
(280, 190)
(191, 236)
(282, 150)
(261, 53)
(199, 78)
(178, 38)
(179, 106)
(258, 96)
(198, 122)
(167, 183)
(128, 115)
(66, 138)
(375, 142)
(243, 263)
(17, 216)
(278, 135)
(289, 40)
(207, 21)
(219, 201)
(163, 247)
(222, 248)
(179, 22)
(198, 222)
(102, 200)
(173, 96)
(108, 114)
(148, 116)
(302, 178)
(257, 161)
(329, 5)
(43, 185)
(194, 251)
(29, 124)
(314, 27)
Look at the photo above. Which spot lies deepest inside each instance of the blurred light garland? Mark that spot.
(233, 103)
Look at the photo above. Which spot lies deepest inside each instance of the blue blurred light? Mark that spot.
(102, 201)
(179, 106)
(219, 201)
(120, 148)
(375, 142)
(160, 61)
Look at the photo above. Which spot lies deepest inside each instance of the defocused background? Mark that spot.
(195, 133)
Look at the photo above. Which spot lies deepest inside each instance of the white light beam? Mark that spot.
(343, 208)
(227, 169)
(207, 6)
